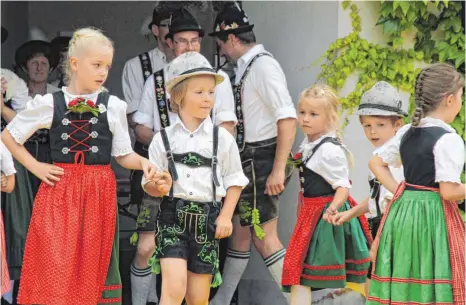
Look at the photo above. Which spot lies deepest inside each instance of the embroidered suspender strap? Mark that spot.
(161, 98)
(146, 65)
(238, 94)
(171, 160)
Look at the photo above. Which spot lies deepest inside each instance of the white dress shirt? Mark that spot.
(6, 161)
(39, 114)
(330, 161)
(196, 183)
(448, 151)
(148, 114)
(17, 90)
(133, 80)
(266, 99)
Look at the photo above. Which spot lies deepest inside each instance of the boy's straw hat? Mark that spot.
(188, 65)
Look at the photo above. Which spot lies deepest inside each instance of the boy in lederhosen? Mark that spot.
(155, 113)
(205, 164)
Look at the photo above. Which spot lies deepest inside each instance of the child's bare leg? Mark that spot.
(198, 288)
(174, 274)
(300, 295)
(368, 285)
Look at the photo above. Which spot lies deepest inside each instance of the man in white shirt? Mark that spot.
(135, 73)
(265, 133)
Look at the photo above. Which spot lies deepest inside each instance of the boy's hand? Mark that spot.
(4, 181)
(224, 227)
(163, 182)
(340, 218)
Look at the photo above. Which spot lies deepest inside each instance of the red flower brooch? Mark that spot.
(295, 160)
(81, 105)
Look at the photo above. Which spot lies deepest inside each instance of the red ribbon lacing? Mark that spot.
(79, 156)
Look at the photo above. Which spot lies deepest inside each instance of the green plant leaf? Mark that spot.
(391, 27)
(404, 6)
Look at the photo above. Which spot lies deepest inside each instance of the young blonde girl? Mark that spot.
(72, 243)
(205, 165)
(419, 248)
(320, 255)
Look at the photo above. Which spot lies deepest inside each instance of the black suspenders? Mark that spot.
(213, 161)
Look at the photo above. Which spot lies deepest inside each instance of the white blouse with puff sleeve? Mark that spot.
(330, 161)
(448, 151)
(39, 114)
(6, 161)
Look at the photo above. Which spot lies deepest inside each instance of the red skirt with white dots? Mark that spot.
(70, 238)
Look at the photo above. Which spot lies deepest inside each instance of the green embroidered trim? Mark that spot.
(256, 222)
(192, 159)
(143, 217)
(250, 215)
(133, 240)
(192, 208)
(245, 210)
(209, 254)
(162, 242)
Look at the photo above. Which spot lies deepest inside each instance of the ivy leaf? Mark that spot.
(456, 25)
(442, 45)
(404, 6)
(345, 4)
(420, 55)
(396, 4)
(391, 74)
(446, 3)
(458, 125)
(391, 27)
(411, 16)
(459, 59)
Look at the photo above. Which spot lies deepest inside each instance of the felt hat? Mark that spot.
(231, 20)
(188, 65)
(381, 100)
(182, 20)
(28, 49)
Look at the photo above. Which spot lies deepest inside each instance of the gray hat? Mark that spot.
(383, 100)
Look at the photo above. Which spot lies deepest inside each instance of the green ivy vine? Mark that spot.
(439, 37)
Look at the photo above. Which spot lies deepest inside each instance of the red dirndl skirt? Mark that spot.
(70, 238)
(4, 270)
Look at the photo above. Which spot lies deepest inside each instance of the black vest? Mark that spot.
(73, 132)
(312, 184)
(417, 155)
